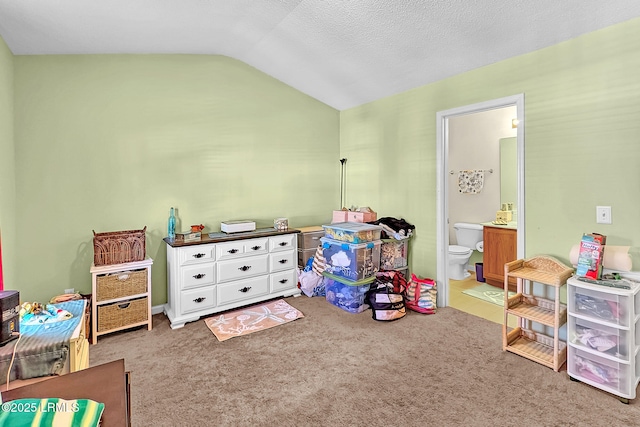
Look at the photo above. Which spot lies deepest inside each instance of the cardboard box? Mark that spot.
(188, 236)
(353, 216)
(590, 256)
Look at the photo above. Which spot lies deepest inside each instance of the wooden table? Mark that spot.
(108, 384)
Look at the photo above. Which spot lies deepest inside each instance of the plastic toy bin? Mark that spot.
(349, 296)
(393, 254)
(352, 232)
(350, 261)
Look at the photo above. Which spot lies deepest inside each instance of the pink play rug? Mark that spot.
(248, 320)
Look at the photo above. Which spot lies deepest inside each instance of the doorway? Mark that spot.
(442, 162)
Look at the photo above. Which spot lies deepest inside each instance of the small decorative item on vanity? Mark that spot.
(281, 224)
(197, 228)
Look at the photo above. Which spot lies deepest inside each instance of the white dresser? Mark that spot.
(227, 271)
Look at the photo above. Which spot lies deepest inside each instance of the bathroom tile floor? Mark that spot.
(472, 305)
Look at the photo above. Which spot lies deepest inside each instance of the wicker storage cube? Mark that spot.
(121, 284)
(125, 313)
(119, 247)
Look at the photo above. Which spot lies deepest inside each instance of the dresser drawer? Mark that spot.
(197, 254)
(256, 246)
(242, 267)
(198, 299)
(310, 239)
(198, 275)
(283, 280)
(282, 261)
(282, 243)
(243, 289)
(229, 250)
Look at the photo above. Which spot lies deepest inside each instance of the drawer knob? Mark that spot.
(284, 280)
(198, 255)
(199, 299)
(232, 251)
(244, 267)
(283, 261)
(255, 248)
(283, 243)
(245, 289)
(199, 276)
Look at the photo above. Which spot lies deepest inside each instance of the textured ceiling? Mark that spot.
(341, 52)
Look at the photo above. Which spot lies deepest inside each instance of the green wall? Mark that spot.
(581, 143)
(111, 142)
(7, 168)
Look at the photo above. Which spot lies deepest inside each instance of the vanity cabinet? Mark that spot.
(224, 271)
(500, 248)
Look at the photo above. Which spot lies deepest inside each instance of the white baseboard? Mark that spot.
(157, 309)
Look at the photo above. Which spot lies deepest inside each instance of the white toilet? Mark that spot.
(469, 237)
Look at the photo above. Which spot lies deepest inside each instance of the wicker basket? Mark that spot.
(121, 284)
(119, 314)
(119, 247)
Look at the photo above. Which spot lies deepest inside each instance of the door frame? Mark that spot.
(442, 182)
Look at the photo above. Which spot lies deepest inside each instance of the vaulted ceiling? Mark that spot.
(341, 52)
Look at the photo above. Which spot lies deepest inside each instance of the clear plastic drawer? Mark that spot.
(608, 375)
(598, 338)
(612, 308)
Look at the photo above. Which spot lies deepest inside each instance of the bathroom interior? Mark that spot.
(484, 141)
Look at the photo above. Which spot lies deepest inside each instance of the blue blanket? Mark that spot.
(43, 348)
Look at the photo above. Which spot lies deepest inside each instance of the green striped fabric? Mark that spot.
(53, 412)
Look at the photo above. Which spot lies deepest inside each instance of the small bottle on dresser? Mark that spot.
(171, 229)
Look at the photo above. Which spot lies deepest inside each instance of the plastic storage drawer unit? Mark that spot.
(393, 254)
(350, 261)
(352, 232)
(349, 296)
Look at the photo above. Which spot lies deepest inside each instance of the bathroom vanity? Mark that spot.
(500, 247)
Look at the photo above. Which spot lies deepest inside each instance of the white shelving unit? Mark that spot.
(602, 333)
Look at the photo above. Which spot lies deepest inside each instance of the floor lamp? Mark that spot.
(343, 163)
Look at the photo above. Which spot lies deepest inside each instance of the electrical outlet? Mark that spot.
(603, 214)
(70, 291)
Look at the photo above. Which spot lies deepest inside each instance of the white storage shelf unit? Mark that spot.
(604, 337)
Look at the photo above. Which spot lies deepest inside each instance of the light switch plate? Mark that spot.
(603, 214)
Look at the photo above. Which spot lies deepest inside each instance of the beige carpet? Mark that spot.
(252, 319)
(335, 368)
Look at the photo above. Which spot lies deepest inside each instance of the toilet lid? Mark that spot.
(458, 250)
